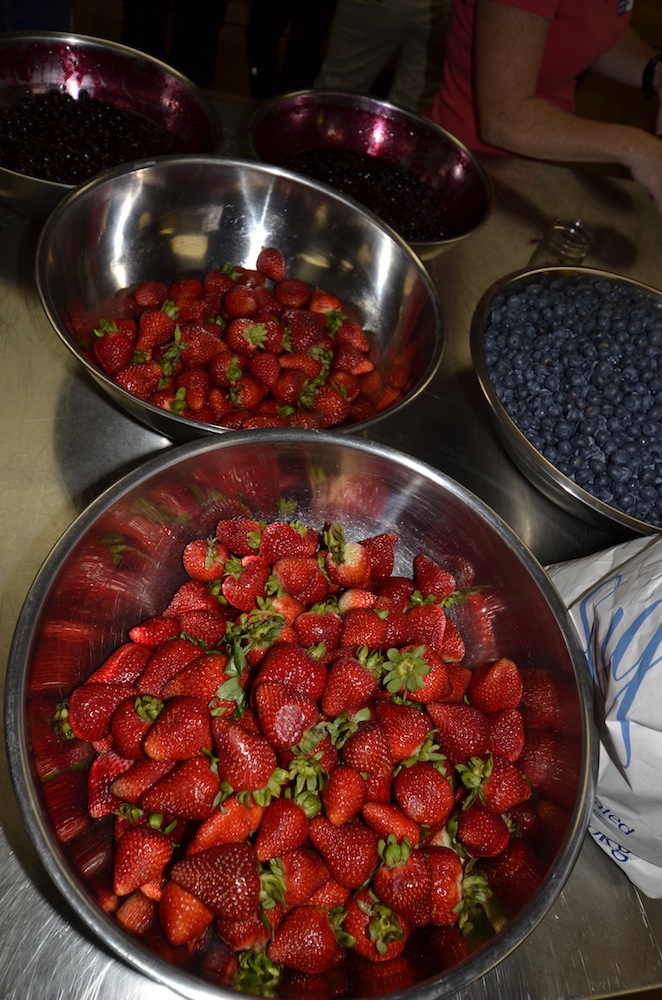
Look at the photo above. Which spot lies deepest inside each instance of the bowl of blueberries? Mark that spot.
(570, 362)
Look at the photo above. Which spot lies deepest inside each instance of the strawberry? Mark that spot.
(245, 581)
(226, 368)
(246, 760)
(347, 384)
(349, 851)
(195, 384)
(288, 386)
(495, 685)
(91, 707)
(264, 367)
(323, 302)
(284, 715)
(363, 627)
(289, 664)
(166, 661)
(305, 940)
(182, 915)
(329, 407)
(447, 896)
(103, 770)
(368, 751)
(350, 332)
(182, 729)
(123, 666)
(240, 535)
(232, 823)
(156, 326)
(494, 781)
(514, 875)
(330, 895)
(201, 678)
(350, 682)
(252, 933)
(347, 563)
(151, 294)
(302, 872)
(151, 632)
(452, 647)
(113, 347)
(310, 365)
(283, 827)
(387, 818)
(416, 672)
(403, 881)
(315, 627)
(343, 795)
(424, 794)
(271, 262)
(225, 878)
(218, 280)
(134, 782)
(130, 723)
(432, 579)
(379, 934)
(461, 730)
(407, 728)
(396, 590)
(292, 292)
(199, 344)
(188, 790)
(302, 578)
(141, 855)
(186, 288)
(192, 595)
(506, 732)
(381, 554)
(243, 336)
(281, 538)
(346, 358)
(239, 301)
(206, 627)
(482, 833)
(426, 626)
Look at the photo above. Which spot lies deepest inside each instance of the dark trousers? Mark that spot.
(295, 68)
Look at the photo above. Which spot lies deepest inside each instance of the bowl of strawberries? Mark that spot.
(339, 744)
(205, 294)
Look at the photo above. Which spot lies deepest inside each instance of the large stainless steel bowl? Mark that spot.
(84, 599)
(35, 62)
(543, 474)
(314, 120)
(178, 216)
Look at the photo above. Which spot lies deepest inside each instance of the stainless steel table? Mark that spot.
(62, 442)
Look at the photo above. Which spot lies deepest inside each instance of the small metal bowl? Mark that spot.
(551, 482)
(86, 596)
(36, 62)
(173, 217)
(314, 120)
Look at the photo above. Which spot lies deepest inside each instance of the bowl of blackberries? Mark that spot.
(568, 360)
(105, 104)
(413, 174)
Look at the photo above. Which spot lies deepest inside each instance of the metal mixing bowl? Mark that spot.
(35, 62)
(313, 120)
(177, 216)
(556, 486)
(84, 599)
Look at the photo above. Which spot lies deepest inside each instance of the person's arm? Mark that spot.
(626, 62)
(508, 49)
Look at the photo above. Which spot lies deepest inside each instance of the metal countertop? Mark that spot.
(63, 442)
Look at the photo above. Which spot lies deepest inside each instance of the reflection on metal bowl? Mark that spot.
(175, 217)
(36, 62)
(85, 598)
(308, 121)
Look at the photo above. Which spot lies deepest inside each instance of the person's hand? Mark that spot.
(646, 166)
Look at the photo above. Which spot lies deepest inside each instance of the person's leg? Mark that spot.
(309, 26)
(267, 20)
(364, 36)
(196, 25)
(421, 60)
(145, 26)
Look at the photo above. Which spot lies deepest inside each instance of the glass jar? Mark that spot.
(565, 241)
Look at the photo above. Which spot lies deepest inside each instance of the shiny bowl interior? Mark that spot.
(35, 62)
(309, 120)
(178, 216)
(556, 486)
(84, 600)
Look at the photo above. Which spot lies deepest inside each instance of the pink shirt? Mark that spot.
(580, 32)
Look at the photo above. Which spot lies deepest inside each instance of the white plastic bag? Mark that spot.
(615, 601)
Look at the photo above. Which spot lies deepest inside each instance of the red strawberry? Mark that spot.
(350, 332)
(284, 715)
(241, 535)
(252, 932)
(166, 661)
(201, 678)
(289, 664)
(324, 302)
(123, 666)
(386, 817)
(461, 730)
(134, 782)
(225, 878)
(246, 760)
(226, 368)
(330, 895)
(200, 343)
(189, 790)
(482, 833)
(281, 538)
(243, 336)
(397, 590)
(103, 770)
(315, 627)
(283, 827)
(91, 706)
(367, 750)
(346, 358)
(182, 729)
(406, 727)
(343, 795)
(239, 301)
(232, 823)
(207, 627)
(381, 553)
(193, 595)
(350, 682)
(151, 294)
(152, 632)
(452, 646)
(264, 367)
(292, 292)
(495, 685)
(195, 384)
(349, 851)
(505, 786)
(130, 723)
(446, 870)
(141, 855)
(182, 916)
(301, 873)
(432, 579)
(347, 563)
(245, 582)
(514, 875)
(271, 262)
(330, 407)
(506, 733)
(363, 627)
(305, 940)
(379, 933)
(186, 288)
(302, 578)
(113, 347)
(426, 626)
(156, 326)
(417, 673)
(404, 880)
(299, 361)
(424, 794)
